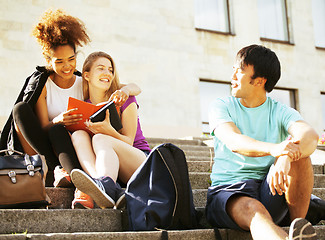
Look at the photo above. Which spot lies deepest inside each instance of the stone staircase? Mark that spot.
(61, 222)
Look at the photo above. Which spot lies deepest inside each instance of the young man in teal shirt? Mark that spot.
(258, 175)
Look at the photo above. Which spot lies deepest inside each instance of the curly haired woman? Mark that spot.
(37, 122)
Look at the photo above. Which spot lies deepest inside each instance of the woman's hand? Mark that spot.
(278, 181)
(103, 127)
(68, 118)
(119, 97)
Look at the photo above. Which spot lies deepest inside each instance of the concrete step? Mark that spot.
(201, 180)
(196, 164)
(190, 147)
(199, 166)
(204, 144)
(197, 234)
(201, 234)
(62, 198)
(199, 153)
(200, 196)
(59, 220)
(177, 142)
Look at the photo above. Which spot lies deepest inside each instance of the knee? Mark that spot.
(247, 205)
(102, 139)
(77, 135)
(254, 206)
(20, 110)
(57, 131)
(57, 128)
(303, 165)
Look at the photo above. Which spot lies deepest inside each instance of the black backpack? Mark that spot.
(159, 193)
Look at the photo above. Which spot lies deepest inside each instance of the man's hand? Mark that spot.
(278, 178)
(289, 148)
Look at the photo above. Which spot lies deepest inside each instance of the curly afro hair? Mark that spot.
(56, 28)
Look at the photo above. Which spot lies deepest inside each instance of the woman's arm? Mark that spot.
(120, 96)
(66, 118)
(41, 110)
(130, 89)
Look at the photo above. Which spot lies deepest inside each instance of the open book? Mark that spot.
(93, 112)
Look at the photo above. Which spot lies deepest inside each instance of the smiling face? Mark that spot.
(241, 81)
(101, 74)
(63, 62)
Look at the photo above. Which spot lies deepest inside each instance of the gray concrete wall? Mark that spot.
(155, 45)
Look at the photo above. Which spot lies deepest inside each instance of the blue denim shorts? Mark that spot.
(218, 197)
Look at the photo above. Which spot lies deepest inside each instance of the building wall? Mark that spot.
(155, 45)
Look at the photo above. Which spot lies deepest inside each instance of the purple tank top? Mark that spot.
(139, 140)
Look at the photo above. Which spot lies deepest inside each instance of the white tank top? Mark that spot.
(57, 98)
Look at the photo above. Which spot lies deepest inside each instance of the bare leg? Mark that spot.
(301, 181)
(250, 214)
(116, 156)
(83, 145)
(107, 162)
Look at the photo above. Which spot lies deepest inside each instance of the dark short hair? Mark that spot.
(265, 62)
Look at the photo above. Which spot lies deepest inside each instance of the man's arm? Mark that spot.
(305, 136)
(229, 134)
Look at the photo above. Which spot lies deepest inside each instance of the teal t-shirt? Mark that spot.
(268, 122)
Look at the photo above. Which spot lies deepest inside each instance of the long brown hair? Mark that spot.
(88, 65)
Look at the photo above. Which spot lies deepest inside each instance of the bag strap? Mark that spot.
(217, 234)
(184, 185)
(10, 150)
(168, 150)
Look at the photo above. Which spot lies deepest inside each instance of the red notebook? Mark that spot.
(86, 109)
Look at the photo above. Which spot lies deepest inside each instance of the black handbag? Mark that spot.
(21, 181)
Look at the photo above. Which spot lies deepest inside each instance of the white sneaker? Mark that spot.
(301, 229)
(94, 188)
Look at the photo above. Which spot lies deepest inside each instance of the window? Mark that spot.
(318, 10)
(273, 22)
(286, 96)
(212, 15)
(209, 91)
(323, 108)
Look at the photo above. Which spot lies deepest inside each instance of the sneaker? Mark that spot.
(120, 200)
(82, 201)
(62, 178)
(101, 190)
(301, 229)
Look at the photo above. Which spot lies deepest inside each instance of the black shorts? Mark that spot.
(258, 189)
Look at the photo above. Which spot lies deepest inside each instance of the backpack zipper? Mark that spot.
(176, 200)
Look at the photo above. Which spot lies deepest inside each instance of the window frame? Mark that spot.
(287, 25)
(215, 82)
(293, 96)
(229, 20)
(323, 116)
(317, 47)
